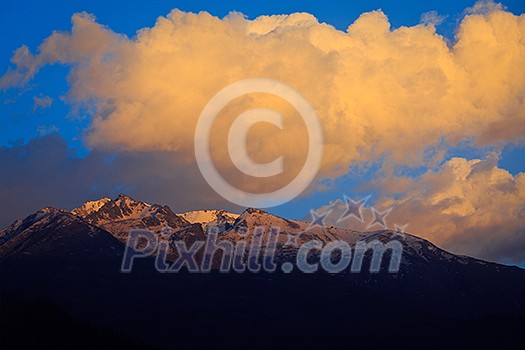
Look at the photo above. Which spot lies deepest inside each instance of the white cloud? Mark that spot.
(432, 18)
(46, 129)
(41, 102)
(469, 207)
(376, 91)
(484, 7)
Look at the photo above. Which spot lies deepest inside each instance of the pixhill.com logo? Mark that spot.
(258, 250)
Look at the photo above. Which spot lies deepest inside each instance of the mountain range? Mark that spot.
(72, 259)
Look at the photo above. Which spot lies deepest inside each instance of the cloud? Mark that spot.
(46, 129)
(469, 207)
(432, 18)
(41, 102)
(484, 7)
(377, 91)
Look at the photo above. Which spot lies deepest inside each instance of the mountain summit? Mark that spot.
(124, 213)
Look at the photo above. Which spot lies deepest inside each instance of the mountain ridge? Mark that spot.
(75, 263)
(117, 216)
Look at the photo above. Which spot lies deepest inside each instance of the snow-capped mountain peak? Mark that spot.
(123, 213)
(105, 209)
(90, 207)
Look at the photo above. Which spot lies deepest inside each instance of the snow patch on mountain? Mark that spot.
(90, 207)
(207, 216)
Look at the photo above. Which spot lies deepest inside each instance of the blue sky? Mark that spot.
(23, 118)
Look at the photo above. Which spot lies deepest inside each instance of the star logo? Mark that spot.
(379, 217)
(318, 219)
(353, 208)
(399, 230)
(292, 239)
